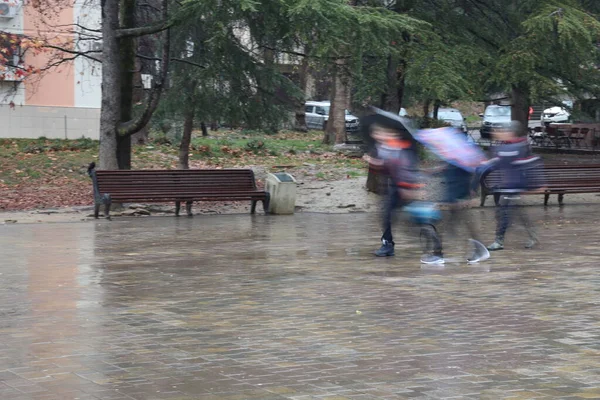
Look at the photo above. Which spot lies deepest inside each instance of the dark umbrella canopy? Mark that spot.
(387, 120)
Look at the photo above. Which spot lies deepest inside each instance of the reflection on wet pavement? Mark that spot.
(242, 307)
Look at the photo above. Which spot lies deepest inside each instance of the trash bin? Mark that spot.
(282, 188)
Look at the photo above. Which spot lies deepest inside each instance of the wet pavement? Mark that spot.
(238, 307)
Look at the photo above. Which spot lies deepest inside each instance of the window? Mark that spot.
(10, 50)
(500, 111)
(322, 110)
(308, 109)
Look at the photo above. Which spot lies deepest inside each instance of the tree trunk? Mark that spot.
(184, 147)
(520, 107)
(392, 101)
(111, 90)
(336, 126)
(127, 55)
(329, 133)
(300, 109)
(401, 84)
(140, 137)
(436, 109)
(204, 130)
(426, 105)
(426, 119)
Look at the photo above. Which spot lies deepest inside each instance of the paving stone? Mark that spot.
(238, 307)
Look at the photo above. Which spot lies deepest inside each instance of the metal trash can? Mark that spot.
(282, 188)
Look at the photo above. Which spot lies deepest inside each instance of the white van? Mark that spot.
(317, 114)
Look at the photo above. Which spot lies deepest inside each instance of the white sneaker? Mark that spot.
(432, 259)
(480, 252)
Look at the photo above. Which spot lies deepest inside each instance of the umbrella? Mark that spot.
(452, 146)
(388, 120)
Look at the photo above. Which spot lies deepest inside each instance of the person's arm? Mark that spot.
(376, 162)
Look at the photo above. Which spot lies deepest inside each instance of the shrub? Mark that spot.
(255, 145)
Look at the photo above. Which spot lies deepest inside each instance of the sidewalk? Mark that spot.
(240, 307)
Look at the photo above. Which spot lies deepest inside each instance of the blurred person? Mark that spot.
(517, 168)
(395, 155)
(461, 161)
(460, 184)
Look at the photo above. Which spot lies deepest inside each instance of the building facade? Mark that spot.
(62, 101)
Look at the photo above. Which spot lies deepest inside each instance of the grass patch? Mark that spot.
(31, 160)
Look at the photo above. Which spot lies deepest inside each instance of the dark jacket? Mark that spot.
(519, 169)
(400, 163)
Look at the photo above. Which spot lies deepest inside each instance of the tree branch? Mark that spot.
(180, 60)
(144, 30)
(135, 125)
(76, 53)
(79, 26)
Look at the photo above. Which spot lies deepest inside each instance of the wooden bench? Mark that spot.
(559, 179)
(159, 186)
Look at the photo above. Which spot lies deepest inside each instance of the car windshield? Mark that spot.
(497, 112)
(450, 115)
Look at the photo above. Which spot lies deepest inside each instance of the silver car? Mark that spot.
(317, 114)
(495, 117)
(453, 117)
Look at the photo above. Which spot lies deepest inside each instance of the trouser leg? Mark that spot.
(433, 241)
(392, 202)
(503, 217)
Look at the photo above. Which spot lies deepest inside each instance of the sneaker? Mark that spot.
(386, 250)
(432, 259)
(531, 243)
(480, 252)
(497, 245)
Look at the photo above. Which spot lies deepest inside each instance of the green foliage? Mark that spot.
(546, 48)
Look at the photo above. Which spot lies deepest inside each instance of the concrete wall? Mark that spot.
(31, 122)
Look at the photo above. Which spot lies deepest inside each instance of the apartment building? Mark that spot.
(62, 101)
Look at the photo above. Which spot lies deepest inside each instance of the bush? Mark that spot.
(161, 139)
(255, 145)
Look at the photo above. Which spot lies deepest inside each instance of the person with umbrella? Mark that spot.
(462, 160)
(395, 156)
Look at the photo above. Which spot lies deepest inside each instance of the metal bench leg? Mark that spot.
(266, 203)
(253, 206)
(496, 199)
(107, 203)
(483, 197)
(188, 208)
(560, 199)
(546, 198)
(177, 208)
(96, 210)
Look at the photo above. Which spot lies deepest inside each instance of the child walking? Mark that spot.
(396, 157)
(514, 162)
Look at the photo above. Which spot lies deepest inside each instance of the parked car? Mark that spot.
(317, 114)
(495, 117)
(555, 114)
(403, 112)
(453, 117)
